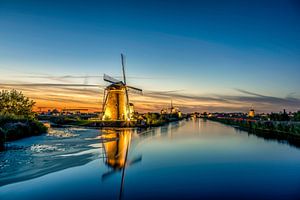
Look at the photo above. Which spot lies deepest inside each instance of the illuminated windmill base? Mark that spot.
(115, 106)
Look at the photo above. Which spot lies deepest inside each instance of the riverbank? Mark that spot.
(58, 121)
(289, 131)
(16, 127)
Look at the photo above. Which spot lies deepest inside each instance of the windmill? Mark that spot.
(116, 104)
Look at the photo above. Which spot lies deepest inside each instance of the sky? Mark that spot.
(216, 56)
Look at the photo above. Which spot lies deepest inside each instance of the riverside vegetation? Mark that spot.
(93, 120)
(279, 129)
(17, 120)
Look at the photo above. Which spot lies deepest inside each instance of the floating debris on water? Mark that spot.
(39, 148)
(63, 133)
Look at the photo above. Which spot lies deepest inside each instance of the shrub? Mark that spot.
(17, 118)
(15, 103)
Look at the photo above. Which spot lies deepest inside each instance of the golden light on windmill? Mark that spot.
(116, 105)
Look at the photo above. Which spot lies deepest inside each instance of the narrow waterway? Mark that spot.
(182, 160)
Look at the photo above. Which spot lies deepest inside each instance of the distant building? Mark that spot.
(179, 114)
(251, 113)
(163, 111)
(54, 112)
(174, 111)
(131, 110)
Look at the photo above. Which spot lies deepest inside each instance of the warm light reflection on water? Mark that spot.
(182, 160)
(116, 144)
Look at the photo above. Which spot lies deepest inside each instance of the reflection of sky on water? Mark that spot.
(188, 159)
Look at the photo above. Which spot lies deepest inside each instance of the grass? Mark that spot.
(285, 129)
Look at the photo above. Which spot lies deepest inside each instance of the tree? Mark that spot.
(14, 102)
(297, 116)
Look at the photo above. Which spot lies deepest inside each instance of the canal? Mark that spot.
(183, 160)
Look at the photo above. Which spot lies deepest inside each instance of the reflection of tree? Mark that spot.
(170, 128)
(164, 130)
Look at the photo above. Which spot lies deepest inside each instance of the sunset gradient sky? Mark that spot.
(205, 55)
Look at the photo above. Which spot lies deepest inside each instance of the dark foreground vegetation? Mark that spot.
(16, 117)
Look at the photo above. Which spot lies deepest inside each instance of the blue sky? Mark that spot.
(196, 48)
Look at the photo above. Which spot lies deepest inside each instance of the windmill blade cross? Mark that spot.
(110, 79)
(124, 80)
(134, 89)
(135, 160)
(123, 67)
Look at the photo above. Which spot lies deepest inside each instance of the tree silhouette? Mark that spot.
(14, 102)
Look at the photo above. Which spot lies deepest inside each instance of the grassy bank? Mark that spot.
(147, 120)
(13, 127)
(287, 130)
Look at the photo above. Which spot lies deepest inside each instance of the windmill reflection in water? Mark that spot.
(116, 144)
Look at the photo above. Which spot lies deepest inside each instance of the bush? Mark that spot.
(16, 128)
(15, 103)
(17, 118)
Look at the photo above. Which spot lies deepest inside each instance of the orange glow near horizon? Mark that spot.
(58, 97)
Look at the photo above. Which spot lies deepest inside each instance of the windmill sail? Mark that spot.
(123, 67)
(126, 90)
(134, 89)
(110, 79)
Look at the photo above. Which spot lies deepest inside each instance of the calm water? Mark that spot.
(185, 160)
